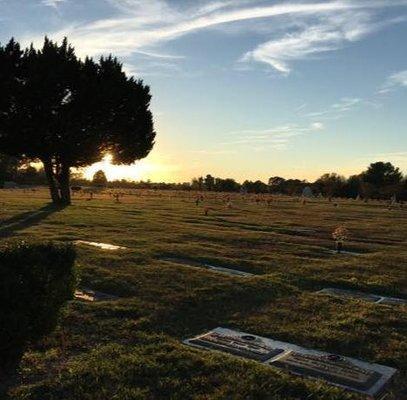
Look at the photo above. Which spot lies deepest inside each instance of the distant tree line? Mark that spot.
(381, 180)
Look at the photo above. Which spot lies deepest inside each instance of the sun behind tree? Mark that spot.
(68, 112)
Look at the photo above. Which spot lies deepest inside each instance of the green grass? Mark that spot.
(131, 348)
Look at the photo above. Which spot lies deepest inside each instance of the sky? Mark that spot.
(244, 88)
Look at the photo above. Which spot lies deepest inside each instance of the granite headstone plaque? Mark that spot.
(246, 346)
(348, 373)
(332, 368)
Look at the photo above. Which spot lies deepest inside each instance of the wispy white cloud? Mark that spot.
(336, 110)
(215, 152)
(149, 22)
(329, 33)
(398, 79)
(219, 5)
(159, 55)
(301, 107)
(145, 11)
(317, 126)
(144, 26)
(276, 137)
(52, 3)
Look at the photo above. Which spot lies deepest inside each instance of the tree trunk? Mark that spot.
(58, 176)
(52, 183)
(64, 185)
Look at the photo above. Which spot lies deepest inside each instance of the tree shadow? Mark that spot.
(25, 220)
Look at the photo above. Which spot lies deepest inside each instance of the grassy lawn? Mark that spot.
(131, 348)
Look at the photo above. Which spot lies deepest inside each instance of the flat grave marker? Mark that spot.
(244, 346)
(392, 301)
(223, 270)
(346, 253)
(302, 230)
(103, 246)
(355, 294)
(332, 368)
(351, 374)
(92, 295)
(352, 294)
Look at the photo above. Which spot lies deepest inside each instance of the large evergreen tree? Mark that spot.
(382, 174)
(68, 112)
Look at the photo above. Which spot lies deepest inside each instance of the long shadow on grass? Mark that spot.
(24, 220)
(208, 307)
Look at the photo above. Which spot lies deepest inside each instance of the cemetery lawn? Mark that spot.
(130, 348)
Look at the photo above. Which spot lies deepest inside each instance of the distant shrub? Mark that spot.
(35, 282)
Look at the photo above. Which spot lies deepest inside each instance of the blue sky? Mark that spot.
(244, 88)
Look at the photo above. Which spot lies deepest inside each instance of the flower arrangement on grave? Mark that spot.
(340, 234)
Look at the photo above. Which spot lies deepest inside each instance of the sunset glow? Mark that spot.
(149, 168)
(284, 92)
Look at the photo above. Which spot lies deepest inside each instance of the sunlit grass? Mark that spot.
(130, 348)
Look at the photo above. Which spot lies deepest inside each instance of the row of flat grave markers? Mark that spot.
(371, 298)
(348, 373)
(194, 263)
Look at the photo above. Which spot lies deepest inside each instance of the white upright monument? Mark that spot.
(307, 192)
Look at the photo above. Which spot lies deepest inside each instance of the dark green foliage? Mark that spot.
(209, 182)
(8, 168)
(382, 174)
(381, 180)
(19, 171)
(330, 185)
(226, 185)
(99, 178)
(35, 282)
(67, 112)
(255, 187)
